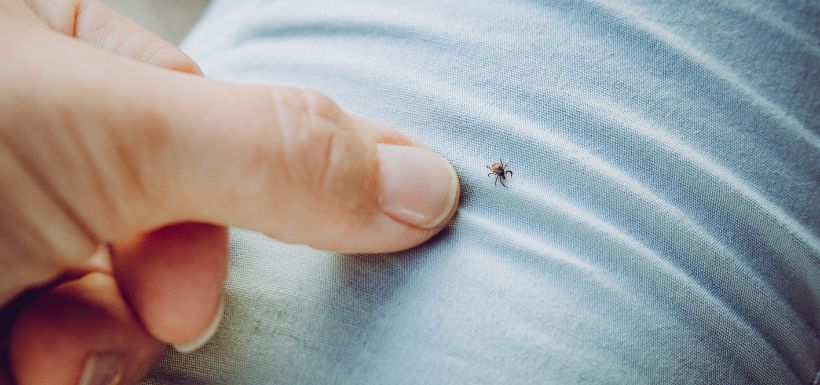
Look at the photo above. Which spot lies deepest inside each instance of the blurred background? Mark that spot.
(171, 19)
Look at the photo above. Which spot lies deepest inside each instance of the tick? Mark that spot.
(499, 170)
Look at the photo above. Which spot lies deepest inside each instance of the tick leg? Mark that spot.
(496, 181)
(509, 172)
(502, 183)
(490, 174)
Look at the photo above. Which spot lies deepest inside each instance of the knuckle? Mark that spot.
(319, 106)
(334, 161)
(317, 141)
(300, 110)
(328, 153)
(339, 184)
(324, 153)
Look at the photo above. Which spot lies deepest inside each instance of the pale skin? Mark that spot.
(120, 166)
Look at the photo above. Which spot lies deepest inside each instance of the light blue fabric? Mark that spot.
(661, 226)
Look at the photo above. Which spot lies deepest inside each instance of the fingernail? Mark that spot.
(418, 187)
(102, 369)
(196, 343)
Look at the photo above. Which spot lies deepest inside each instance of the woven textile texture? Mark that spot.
(662, 225)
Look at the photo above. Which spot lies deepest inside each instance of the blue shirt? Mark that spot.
(661, 225)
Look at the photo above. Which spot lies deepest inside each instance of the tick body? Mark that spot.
(500, 171)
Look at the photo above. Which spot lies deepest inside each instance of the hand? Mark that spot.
(111, 142)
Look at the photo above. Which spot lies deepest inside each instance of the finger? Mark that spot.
(82, 332)
(173, 279)
(93, 22)
(301, 170)
(283, 161)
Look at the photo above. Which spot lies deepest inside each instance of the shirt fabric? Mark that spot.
(661, 226)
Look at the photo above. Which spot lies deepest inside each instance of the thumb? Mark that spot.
(167, 147)
(295, 166)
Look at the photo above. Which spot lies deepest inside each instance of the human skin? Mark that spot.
(120, 166)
